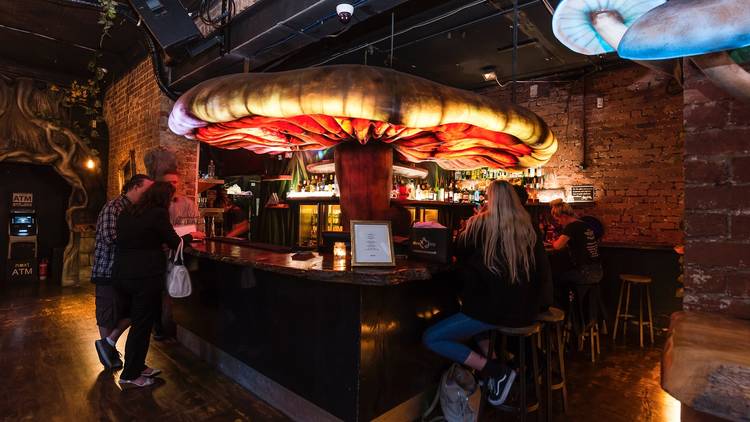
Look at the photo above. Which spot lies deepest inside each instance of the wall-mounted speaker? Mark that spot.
(168, 22)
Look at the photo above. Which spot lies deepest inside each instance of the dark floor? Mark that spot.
(49, 371)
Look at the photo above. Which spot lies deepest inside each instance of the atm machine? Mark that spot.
(22, 239)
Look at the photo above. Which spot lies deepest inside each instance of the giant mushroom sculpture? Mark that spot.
(365, 113)
(700, 29)
(594, 27)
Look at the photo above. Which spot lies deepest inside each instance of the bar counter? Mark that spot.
(316, 340)
(322, 267)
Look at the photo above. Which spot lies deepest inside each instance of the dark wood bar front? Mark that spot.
(317, 340)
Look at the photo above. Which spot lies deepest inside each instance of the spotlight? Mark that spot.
(489, 76)
(90, 164)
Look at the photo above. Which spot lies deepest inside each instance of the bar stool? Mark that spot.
(644, 284)
(582, 318)
(554, 317)
(523, 334)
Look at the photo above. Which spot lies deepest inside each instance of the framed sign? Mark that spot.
(372, 244)
(582, 193)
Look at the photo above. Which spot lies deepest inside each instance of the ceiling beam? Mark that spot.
(20, 70)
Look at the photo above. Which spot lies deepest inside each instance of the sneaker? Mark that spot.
(498, 388)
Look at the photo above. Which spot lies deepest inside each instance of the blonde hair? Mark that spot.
(505, 230)
(558, 208)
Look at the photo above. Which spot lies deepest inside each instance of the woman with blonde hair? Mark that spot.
(580, 240)
(507, 282)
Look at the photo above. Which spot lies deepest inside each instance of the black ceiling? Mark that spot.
(55, 40)
(449, 41)
(457, 49)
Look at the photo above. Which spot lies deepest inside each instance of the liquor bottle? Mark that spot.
(465, 196)
(449, 192)
(411, 189)
(211, 169)
(304, 186)
(418, 192)
(476, 196)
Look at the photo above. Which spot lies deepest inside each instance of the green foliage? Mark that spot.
(107, 17)
(84, 98)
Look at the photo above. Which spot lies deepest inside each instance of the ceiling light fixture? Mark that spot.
(489, 76)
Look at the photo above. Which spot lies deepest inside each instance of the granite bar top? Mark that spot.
(322, 267)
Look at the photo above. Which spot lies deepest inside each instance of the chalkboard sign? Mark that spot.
(582, 193)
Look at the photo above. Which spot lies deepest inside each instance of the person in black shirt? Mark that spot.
(582, 245)
(506, 276)
(139, 271)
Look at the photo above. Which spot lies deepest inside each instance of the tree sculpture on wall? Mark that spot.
(31, 132)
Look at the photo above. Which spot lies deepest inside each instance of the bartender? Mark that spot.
(236, 223)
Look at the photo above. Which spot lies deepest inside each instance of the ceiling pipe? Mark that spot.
(156, 60)
(429, 22)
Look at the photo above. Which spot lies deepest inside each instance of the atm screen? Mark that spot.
(22, 219)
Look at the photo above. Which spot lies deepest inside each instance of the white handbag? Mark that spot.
(178, 277)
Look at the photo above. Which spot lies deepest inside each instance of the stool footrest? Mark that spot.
(508, 408)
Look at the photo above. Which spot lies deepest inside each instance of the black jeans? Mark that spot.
(144, 294)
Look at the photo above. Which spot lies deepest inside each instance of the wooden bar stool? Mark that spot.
(525, 337)
(644, 287)
(553, 317)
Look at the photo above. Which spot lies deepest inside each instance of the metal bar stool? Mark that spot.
(553, 317)
(524, 335)
(644, 287)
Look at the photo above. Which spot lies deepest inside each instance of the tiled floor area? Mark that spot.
(50, 372)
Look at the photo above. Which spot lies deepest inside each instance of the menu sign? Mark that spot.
(22, 200)
(582, 193)
(372, 244)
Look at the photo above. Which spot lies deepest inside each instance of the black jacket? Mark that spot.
(493, 299)
(140, 238)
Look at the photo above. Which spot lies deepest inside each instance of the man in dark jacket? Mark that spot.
(110, 313)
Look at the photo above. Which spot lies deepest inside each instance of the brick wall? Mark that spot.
(136, 112)
(717, 198)
(634, 149)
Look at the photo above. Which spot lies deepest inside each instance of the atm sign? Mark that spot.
(22, 200)
(22, 270)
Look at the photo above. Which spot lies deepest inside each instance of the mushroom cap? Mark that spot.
(328, 166)
(683, 28)
(318, 108)
(572, 25)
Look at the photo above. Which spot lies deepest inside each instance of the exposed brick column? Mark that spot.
(136, 112)
(717, 198)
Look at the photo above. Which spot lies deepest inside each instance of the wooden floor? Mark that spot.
(49, 371)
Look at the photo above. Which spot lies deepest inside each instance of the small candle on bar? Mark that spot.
(339, 250)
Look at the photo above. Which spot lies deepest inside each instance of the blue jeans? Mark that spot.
(447, 336)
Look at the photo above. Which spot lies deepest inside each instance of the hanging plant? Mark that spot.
(84, 98)
(107, 17)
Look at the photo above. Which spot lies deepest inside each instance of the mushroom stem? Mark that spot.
(611, 28)
(724, 72)
(364, 174)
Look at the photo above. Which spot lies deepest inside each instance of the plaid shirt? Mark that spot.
(106, 235)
